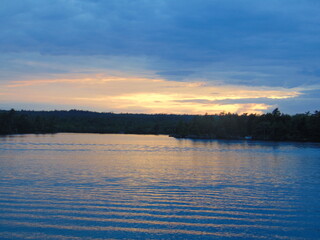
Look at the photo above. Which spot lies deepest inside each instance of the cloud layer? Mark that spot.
(246, 43)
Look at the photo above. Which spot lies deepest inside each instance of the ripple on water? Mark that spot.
(153, 187)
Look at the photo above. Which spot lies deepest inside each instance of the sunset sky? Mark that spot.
(160, 56)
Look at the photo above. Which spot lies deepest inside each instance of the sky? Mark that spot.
(160, 56)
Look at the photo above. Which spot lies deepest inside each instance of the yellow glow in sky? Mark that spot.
(142, 95)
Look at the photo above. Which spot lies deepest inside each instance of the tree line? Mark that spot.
(270, 126)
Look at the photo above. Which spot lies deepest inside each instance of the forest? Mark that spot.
(273, 126)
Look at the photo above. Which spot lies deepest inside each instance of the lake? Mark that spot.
(108, 186)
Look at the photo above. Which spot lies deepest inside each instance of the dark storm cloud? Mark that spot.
(192, 30)
(246, 42)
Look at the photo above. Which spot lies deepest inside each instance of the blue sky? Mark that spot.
(125, 55)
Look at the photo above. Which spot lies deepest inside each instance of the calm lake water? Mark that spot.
(93, 186)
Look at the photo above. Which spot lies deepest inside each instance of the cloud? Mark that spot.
(243, 43)
(176, 73)
(110, 93)
(175, 30)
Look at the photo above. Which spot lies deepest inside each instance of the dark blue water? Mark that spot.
(91, 186)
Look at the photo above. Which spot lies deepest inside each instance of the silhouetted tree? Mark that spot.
(269, 126)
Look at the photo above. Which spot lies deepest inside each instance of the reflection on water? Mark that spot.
(93, 186)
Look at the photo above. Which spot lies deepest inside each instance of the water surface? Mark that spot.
(94, 186)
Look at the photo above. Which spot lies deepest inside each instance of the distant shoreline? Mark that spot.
(274, 126)
(190, 137)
